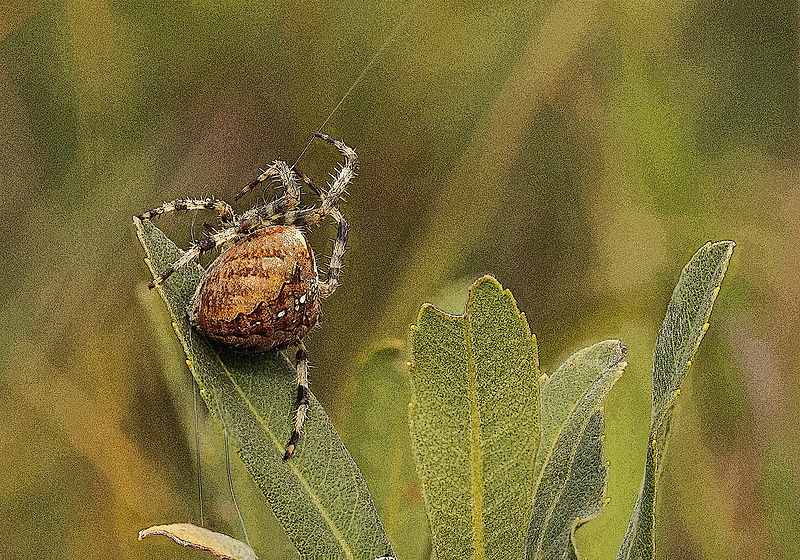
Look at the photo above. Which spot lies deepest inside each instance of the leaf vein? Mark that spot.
(298, 475)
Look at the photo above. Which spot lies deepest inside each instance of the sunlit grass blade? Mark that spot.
(685, 323)
(475, 424)
(571, 470)
(318, 495)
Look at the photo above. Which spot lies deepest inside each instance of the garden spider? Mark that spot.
(263, 292)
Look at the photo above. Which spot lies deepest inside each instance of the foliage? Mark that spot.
(684, 326)
(319, 496)
(572, 473)
(219, 544)
(579, 151)
(475, 424)
(510, 463)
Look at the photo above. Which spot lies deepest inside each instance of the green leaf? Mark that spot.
(684, 325)
(475, 424)
(219, 544)
(570, 468)
(318, 495)
(377, 436)
(572, 491)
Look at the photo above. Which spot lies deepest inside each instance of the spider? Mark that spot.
(263, 291)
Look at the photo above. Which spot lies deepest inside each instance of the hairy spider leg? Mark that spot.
(309, 183)
(330, 284)
(301, 358)
(328, 207)
(346, 173)
(270, 172)
(202, 246)
(278, 170)
(270, 212)
(226, 215)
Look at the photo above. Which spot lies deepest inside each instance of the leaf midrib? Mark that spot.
(550, 449)
(476, 451)
(552, 507)
(297, 474)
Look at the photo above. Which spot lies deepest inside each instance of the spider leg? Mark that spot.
(330, 284)
(202, 246)
(302, 399)
(270, 212)
(346, 173)
(329, 199)
(226, 214)
(309, 183)
(270, 172)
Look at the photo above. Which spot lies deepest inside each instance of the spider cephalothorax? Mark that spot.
(263, 292)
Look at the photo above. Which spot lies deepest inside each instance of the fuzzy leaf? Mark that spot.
(219, 544)
(684, 325)
(475, 424)
(318, 495)
(571, 471)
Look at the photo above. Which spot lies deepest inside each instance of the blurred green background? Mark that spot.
(580, 151)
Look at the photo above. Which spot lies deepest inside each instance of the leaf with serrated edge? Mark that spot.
(475, 424)
(219, 544)
(685, 323)
(318, 495)
(571, 470)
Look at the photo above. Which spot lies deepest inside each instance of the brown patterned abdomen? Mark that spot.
(260, 294)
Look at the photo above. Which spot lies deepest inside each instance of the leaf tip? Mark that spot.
(484, 280)
(488, 283)
(425, 312)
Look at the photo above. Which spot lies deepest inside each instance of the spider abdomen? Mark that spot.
(260, 294)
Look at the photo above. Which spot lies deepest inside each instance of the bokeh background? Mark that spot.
(579, 150)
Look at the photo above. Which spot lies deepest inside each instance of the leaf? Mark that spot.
(186, 534)
(378, 438)
(318, 495)
(570, 468)
(684, 325)
(475, 424)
